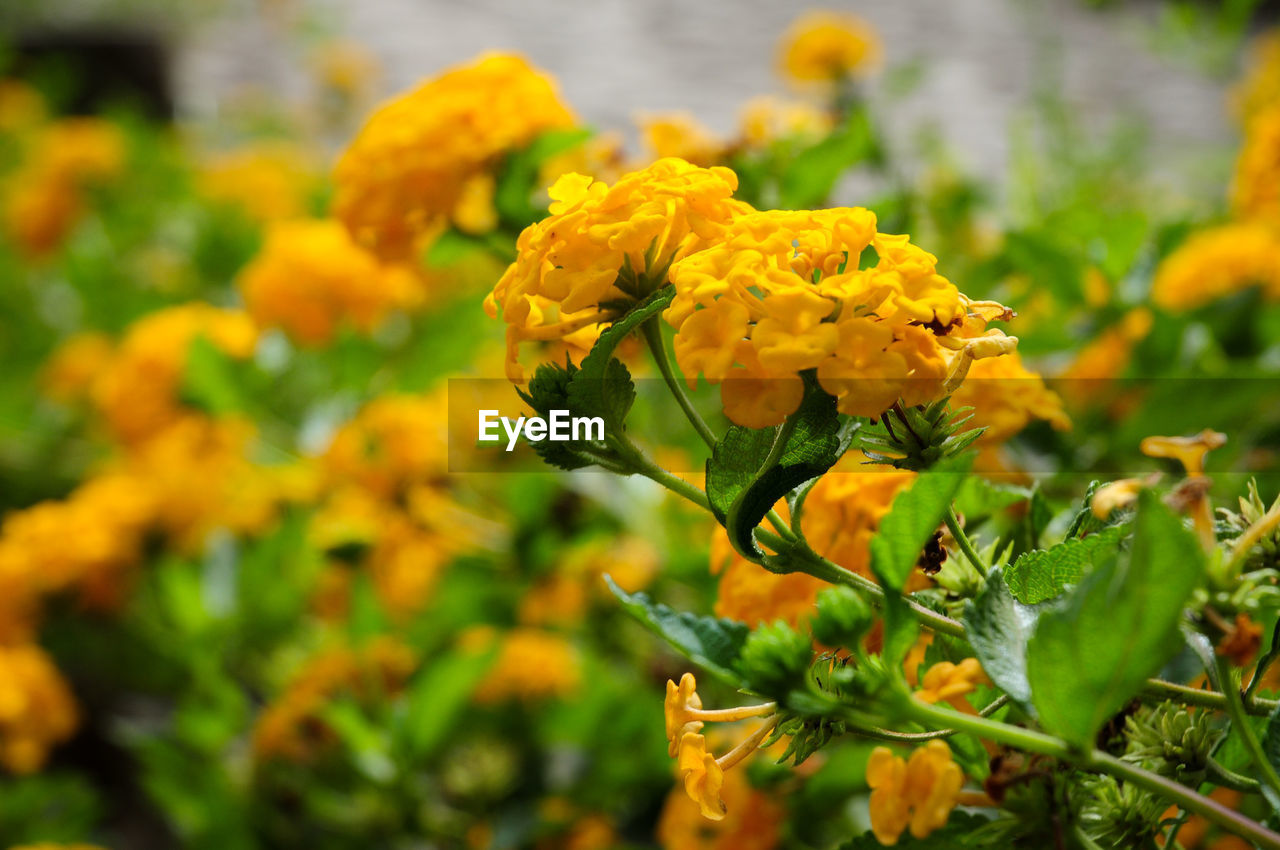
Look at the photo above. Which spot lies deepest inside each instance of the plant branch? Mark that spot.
(963, 541)
(653, 336)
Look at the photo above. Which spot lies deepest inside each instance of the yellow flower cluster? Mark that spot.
(1260, 87)
(917, 793)
(562, 597)
(784, 292)
(531, 665)
(1255, 186)
(266, 181)
(604, 246)
(21, 107)
(701, 773)
(678, 134)
(764, 119)
(1006, 396)
(841, 515)
(386, 492)
(45, 198)
(410, 165)
(293, 728)
(311, 277)
(1217, 262)
(137, 391)
(37, 710)
(754, 819)
(827, 46)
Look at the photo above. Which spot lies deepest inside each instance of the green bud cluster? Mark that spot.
(1172, 741)
(1265, 554)
(843, 617)
(1118, 815)
(916, 438)
(775, 659)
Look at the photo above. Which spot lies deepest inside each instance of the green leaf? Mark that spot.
(807, 180)
(741, 490)
(602, 386)
(549, 390)
(711, 642)
(436, 698)
(980, 497)
(209, 381)
(999, 627)
(1043, 574)
(916, 514)
(1090, 655)
(518, 179)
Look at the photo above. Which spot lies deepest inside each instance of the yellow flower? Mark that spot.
(345, 67)
(21, 107)
(1106, 356)
(765, 119)
(138, 391)
(70, 371)
(394, 443)
(786, 291)
(754, 819)
(407, 169)
(39, 211)
(1218, 262)
(1255, 185)
(1260, 88)
(826, 46)
(1006, 396)
(701, 776)
(1116, 494)
(310, 277)
(604, 245)
(676, 710)
(678, 134)
(1188, 451)
(948, 682)
(293, 728)
(532, 665)
(267, 181)
(37, 709)
(918, 793)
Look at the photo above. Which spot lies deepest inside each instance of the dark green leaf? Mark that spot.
(916, 514)
(1089, 656)
(1043, 574)
(999, 627)
(712, 643)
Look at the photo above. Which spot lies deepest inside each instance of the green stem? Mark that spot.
(963, 541)
(1219, 775)
(1098, 762)
(643, 466)
(1264, 663)
(1187, 695)
(653, 336)
(1240, 723)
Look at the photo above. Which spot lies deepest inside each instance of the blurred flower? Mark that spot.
(1106, 357)
(678, 134)
(603, 246)
(407, 169)
(37, 709)
(267, 181)
(753, 821)
(310, 278)
(826, 46)
(1241, 642)
(395, 442)
(345, 68)
(1218, 262)
(1115, 495)
(21, 107)
(918, 793)
(1006, 396)
(765, 119)
(69, 373)
(1188, 451)
(784, 292)
(1255, 186)
(531, 665)
(1260, 87)
(950, 683)
(293, 729)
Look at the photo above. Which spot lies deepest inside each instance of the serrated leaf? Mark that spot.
(710, 642)
(600, 388)
(548, 390)
(1043, 574)
(999, 627)
(739, 487)
(1090, 655)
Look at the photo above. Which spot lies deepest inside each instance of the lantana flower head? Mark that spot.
(605, 247)
(1255, 186)
(826, 46)
(412, 163)
(1218, 262)
(787, 291)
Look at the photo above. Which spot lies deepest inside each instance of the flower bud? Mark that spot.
(775, 659)
(843, 617)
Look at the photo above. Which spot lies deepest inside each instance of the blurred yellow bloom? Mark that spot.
(1217, 262)
(292, 728)
(1188, 451)
(786, 291)
(1116, 494)
(138, 391)
(39, 212)
(70, 371)
(765, 119)
(950, 683)
(393, 443)
(754, 819)
(345, 67)
(1106, 356)
(37, 710)
(918, 793)
(310, 278)
(1255, 186)
(1006, 396)
(267, 181)
(1260, 87)
(603, 245)
(825, 46)
(531, 665)
(701, 776)
(21, 107)
(680, 135)
(408, 167)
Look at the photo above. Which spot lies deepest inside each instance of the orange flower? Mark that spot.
(918, 793)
